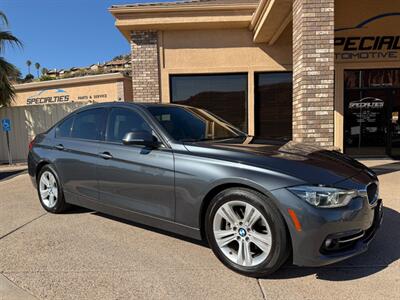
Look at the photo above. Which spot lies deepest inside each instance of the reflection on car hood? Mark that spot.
(309, 163)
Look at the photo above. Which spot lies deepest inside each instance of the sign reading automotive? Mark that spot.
(371, 39)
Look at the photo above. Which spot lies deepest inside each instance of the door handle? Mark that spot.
(106, 155)
(59, 147)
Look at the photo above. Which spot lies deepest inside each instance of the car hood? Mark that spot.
(311, 164)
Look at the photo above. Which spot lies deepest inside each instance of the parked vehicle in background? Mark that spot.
(184, 170)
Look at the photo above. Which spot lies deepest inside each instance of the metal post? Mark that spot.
(9, 150)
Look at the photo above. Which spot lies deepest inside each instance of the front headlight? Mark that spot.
(324, 197)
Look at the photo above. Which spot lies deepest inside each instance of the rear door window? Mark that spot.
(64, 129)
(90, 124)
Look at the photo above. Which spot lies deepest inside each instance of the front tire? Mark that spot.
(247, 232)
(50, 191)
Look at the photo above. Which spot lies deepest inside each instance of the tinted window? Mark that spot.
(89, 124)
(64, 129)
(273, 105)
(372, 78)
(122, 121)
(187, 124)
(215, 93)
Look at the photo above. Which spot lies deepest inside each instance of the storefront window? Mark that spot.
(273, 105)
(381, 78)
(372, 78)
(224, 95)
(371, 112)
(352, 79)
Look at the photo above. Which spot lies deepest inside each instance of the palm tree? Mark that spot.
(28, 63)
(37, 66)
(44, 71)
(7, 70)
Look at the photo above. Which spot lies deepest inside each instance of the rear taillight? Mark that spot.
(32, 143)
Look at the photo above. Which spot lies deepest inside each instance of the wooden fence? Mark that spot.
(26, 122)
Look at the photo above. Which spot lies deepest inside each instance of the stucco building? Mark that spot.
(87, 89)
(318, 71)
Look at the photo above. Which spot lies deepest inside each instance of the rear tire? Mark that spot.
(50, 191)
(247, 232)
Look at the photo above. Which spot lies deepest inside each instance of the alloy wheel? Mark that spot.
(48, 189)
(242, 233)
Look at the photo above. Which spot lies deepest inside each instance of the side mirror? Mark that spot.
(142, 138)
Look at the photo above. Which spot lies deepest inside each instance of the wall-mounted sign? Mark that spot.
(368, 39)
(48, 97)
(53, 96)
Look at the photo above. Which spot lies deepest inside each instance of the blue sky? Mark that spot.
(64, 33)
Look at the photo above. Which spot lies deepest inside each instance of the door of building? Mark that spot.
(371, 113)
(395, 125)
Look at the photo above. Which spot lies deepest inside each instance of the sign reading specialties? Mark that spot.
(369, 40)
(52, 96)
(48, 97)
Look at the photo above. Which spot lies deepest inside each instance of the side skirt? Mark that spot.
(155, 222)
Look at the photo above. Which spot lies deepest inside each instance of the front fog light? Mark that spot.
(328, 242)
(324, 197)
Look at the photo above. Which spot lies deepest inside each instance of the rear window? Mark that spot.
(64, 129)
(89, 124)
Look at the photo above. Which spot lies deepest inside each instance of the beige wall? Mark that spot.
(221, 51)
(53, 93)
(349, 13)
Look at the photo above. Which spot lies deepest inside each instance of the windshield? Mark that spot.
(188, 124)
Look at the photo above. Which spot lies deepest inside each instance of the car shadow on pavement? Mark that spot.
(77, 210)
(386, 168)
(383, 251)
(157, 230)
(6, 175)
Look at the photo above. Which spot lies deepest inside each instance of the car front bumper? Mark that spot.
(350, 228)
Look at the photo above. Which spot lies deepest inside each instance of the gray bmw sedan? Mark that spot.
(257, 202)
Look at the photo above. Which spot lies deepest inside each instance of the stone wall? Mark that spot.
(313, 72)
(145, 66)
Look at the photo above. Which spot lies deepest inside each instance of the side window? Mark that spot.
(89, 124)
(122, 121)
(64, 129)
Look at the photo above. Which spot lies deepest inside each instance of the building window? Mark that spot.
(273, 105)
(224, 95)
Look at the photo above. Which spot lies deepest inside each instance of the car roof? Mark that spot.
(130, 104)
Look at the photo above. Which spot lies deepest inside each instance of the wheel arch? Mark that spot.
(39, 167)
(221, 187)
